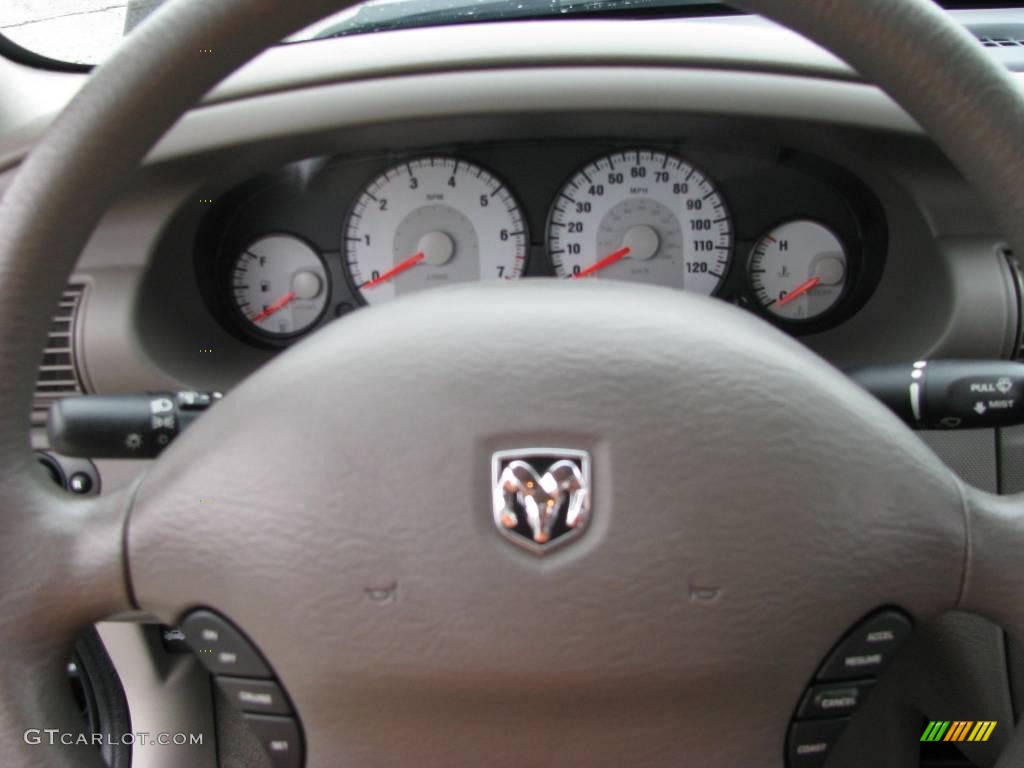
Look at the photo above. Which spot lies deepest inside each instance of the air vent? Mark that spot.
(998, 35)
(58, 375)
(1000, 42)
(1004, 41)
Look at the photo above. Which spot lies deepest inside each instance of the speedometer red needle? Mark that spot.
(608, 260)
(800, 290)
(281, 303)
(412, 261)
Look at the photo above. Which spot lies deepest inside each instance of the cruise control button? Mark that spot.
(279, 737)
(809, 743)
(834, 699)
(868, 648)
(221, 648)
(260, 696)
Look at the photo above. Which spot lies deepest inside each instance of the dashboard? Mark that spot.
(784, 186)
(783, 233)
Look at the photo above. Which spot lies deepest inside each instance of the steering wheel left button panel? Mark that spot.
(242, 673)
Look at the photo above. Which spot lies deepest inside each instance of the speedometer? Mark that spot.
(644, 216)
(431, 222)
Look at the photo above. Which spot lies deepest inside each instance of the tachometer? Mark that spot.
(433, 221)
(644, 216)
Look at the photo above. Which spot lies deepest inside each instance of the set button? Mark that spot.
(279, 737)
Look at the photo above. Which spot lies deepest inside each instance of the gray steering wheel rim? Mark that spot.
(58, 553)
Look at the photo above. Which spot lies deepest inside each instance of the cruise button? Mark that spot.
(258, 696)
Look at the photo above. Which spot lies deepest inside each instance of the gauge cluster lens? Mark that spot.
(640, 215)
(279, 286)
(798, 270)
(431, 222)
(643, 216)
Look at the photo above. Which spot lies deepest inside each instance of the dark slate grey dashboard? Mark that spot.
(920, 283)
(781, 130)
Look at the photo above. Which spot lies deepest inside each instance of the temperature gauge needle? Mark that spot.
(281, 303)
(800, 290)
(399, 269)
(608, 260)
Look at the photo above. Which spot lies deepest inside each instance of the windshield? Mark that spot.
(85, 32)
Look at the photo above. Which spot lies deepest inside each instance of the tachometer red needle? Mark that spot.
(800, 290)
(279, 304)
(410, 262)
(608, 260)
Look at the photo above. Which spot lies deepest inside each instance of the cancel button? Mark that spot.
(834, 699)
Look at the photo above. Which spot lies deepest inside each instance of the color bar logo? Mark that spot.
(958, 730)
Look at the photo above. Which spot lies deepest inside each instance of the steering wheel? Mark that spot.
(380, 473)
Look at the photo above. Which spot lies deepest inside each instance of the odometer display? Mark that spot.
(644, 216)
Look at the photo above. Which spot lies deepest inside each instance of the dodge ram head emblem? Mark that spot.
(541, 496)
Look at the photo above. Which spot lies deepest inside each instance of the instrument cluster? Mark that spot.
(791, 237)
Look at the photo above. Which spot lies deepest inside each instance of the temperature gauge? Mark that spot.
(798, 270)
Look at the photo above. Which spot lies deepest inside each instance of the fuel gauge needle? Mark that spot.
(607, 261)
(412, 261)
(281, 303)
(800, 290)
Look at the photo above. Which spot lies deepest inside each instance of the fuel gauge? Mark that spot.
(798, 270)
(279, 286)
